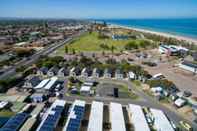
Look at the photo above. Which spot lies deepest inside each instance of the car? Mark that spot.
(195, 120)
(187, 93)
(186, 126)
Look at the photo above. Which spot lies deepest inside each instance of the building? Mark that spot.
(75, 116)
(161, 122)
(131, 75)
(63, 72)
(51, 83)
(53, 71)
(96, 73)
(137, 118)
(75, 71)
(189, 66)
(42, 84)
(117, 117)
(86, 72)
(31, 81)
(3, 104)
(52, 116)
(85, 90)
(96, 117)
(108, 73)
(37, 97)
(119, 74)
(42, 71)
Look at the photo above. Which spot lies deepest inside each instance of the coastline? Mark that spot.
(168, 35)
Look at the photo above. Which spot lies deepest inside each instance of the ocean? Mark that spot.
(180, 27)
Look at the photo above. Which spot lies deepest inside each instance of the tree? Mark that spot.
(66, 49)
(73, 50)
(112, 49)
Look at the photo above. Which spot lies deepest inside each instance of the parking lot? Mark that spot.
(184, 80)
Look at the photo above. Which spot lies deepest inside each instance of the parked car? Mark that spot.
(187, 93)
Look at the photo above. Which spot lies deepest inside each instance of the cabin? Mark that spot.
(63, 72)
(42, 71)
(75, 71)
(86, 72)
(108, 73)
(96, 73)
(53, 71)
(31, 81)
(119, 74)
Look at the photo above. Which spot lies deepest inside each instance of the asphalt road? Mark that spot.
(32, 59)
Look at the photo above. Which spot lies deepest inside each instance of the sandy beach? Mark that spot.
(190, 40)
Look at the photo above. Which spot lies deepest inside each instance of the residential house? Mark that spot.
(42, 71)
(131, 75)
(63, 72)
(31, 81)
(86, 72)
(119, 74)
(75, 71)
(53, 71)
(37, 97)
(108, 73)
(96, 73)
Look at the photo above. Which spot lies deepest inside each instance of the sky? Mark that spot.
(98, 8)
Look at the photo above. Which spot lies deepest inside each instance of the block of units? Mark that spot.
(96, 117)
(137, 118)
(116, 117)
(51, 83)
(52, 117)
(14, 123)
(161, 122)
(76, 114)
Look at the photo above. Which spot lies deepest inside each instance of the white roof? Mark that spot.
(50, 111)
(42, 84)
(116, 117)
(138, 118)
(85, 88)
(96, 117)
(3, 104)
(161, 121)
(179, 102)
(51, 83)
(89, 83)
(156, 89)
(21, 43)
(131, 75)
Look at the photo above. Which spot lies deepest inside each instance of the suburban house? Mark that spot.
(96, 73)
(63, 72)
(53, 71)
(37, 97)
(42, 71)
(108, 73)
(86, 72)
(119, 74)
(75, 71)
(189, 66)
(131, 75)
(31, 81)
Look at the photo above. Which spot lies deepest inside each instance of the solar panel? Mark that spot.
(51, 120)
(14, 123)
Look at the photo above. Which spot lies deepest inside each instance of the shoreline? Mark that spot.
(168, 35)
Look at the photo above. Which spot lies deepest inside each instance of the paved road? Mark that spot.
(146, 100)
(11, 71)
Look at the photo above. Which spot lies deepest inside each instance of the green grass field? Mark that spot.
(91, 43)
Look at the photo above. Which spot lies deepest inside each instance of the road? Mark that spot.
(146, 100)
(11, 71)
